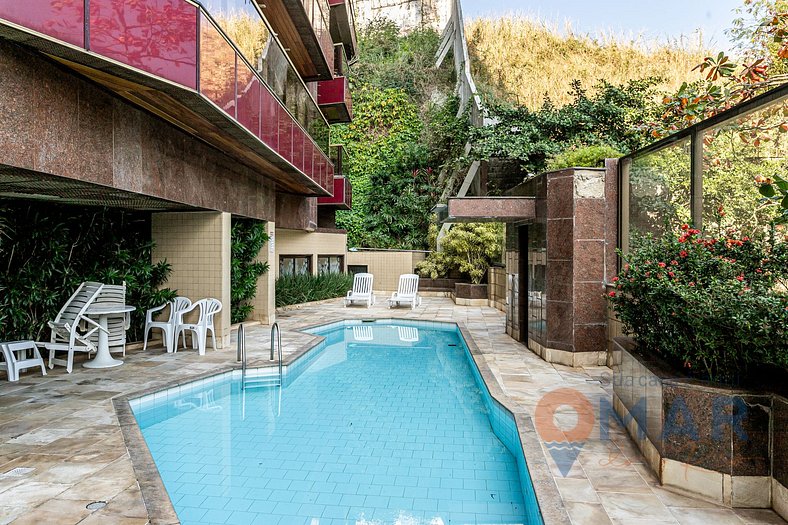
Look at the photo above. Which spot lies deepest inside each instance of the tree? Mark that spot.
(468, 249)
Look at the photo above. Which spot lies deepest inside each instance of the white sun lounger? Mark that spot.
(407, 291)
(362, 290)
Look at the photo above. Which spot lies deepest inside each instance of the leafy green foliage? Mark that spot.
(298, 289)
(248, 238)
(469, 249)
(389, 60)
(405, 130)
(608, 117)
(583, 157)
(49, 250)
(715, 306)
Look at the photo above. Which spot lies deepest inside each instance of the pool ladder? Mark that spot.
(260, 381)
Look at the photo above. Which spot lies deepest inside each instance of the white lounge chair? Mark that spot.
(408, 334)
(363, 333)
(199, 330)
(114, 295)
(407, 291)
(362, 290)
(167, 327)
(67, 332)
(28, 357)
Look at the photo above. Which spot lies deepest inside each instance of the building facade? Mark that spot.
(194, 111)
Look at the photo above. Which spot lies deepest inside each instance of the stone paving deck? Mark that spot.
(64, 426)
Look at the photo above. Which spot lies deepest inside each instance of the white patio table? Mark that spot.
(103, 358)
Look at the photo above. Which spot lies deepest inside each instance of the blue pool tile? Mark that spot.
(354, 438)
(216, 516)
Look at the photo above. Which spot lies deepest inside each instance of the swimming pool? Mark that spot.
(378, 424)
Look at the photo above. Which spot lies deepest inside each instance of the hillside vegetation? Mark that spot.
(522, 60)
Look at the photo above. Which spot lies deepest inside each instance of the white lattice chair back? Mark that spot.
(362, 284)
(408, 285)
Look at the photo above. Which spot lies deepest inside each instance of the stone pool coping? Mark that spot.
(162, 512)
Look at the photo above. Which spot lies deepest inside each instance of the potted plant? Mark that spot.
(468, 249)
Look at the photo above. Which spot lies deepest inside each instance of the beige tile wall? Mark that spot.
(197, 247)
(265, 301)
(386, 266)
(300, 242)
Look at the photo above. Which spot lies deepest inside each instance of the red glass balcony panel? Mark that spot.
(157, 39)
(333, 97)
(157, 36)
(248, 99)
(309, 156)
(343, 194)
(286, 136)
(217, 67)
(269, 121)
(60, 19)
(299, 139)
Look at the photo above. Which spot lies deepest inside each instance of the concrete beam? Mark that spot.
(491, 209)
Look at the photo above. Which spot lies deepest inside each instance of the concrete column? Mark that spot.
(197, 247)
(265, 301)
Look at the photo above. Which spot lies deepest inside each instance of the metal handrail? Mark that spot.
(275, 328)
(241, 353)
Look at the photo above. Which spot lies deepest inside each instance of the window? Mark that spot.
(330, 264)
(357, 268)
(295, 265)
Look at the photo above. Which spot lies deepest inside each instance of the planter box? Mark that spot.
(437, 285)
(466, 294)
(701, 437)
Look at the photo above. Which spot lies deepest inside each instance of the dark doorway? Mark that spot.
(522, 284)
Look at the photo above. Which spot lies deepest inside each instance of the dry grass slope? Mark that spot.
(523, 60)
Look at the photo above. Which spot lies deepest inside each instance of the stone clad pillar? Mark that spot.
(197, 247)
(264, 302)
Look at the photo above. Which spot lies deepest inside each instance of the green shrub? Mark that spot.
(48, 250)
(717, 307)
(583, 157)
(248, 238)
(467, 248)
(298, 289)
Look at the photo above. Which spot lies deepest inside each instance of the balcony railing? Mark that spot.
(180, 43)
(334, 99)
(343, 25)
(343, 194)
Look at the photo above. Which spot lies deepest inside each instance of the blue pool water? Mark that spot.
(380, 424)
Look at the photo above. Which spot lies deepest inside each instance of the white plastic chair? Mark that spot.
(167, 327)
(68, 334)
(14, 362)
(199, 330)
(362, 290)
(407, 291)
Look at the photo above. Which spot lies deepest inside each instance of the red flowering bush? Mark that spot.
(716, 306)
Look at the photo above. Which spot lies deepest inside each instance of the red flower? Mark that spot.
(648, 274)
(740, 277)
(685, 227)
(683, 253)
(692, 283)
(674, 262)
(672, 274)
(612, 294)
(758, 270)
(662, 264)
(615, 279)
